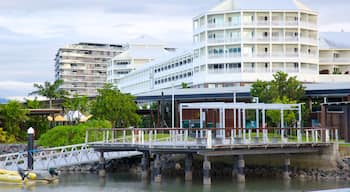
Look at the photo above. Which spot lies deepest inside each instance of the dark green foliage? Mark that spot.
(282, 89)
(281, 86)
(69, 134)
(77, 103)
(13, 115)
(116, 107)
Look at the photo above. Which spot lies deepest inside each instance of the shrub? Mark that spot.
(70, 134)
(6, 138)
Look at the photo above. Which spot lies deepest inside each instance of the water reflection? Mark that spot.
(134, 183)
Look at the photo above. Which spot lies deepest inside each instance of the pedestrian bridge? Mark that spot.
(59, 157)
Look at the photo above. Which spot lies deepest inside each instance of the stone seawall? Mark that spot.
(12, 148)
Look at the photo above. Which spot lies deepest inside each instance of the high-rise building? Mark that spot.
(83, 66)
(238, 42)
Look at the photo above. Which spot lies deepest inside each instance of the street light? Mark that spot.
(256, 100)
(30, 147)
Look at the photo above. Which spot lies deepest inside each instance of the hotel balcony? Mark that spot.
(277, 38)
(224, 70)
(345, 61)
(308, 40)
(215, 25)
(233, 55)
(277, 22)
(291, 38)
(249, 69)
(292, 70)
(232, 24)
(262, 38)
(291, 23)
(233, 40)
(277, 69)
(308, 24)
(216, 40)
(262, 70)
(262, 23)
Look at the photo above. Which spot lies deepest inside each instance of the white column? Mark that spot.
(172, 108)
(282, 125)
(239, 123)
(223, 122)
(300, 118)
(180, 110)
(244, 125)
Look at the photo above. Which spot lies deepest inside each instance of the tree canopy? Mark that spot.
(118, 108)
(281, 86)
(51, 91)
(282, 89)
(13, 115)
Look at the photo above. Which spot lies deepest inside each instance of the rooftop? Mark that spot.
(334, 40)
(231, 5)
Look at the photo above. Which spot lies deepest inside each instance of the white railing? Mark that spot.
(208, 138)
(58, 157)
(216, 40)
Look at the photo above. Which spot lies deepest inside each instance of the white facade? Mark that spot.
(233, 45)
(237, 45)
(140, 51)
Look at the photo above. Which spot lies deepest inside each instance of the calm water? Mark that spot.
(131, 183)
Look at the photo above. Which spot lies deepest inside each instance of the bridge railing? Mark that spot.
(213, 136)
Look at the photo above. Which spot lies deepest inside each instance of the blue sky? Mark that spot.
(31, 31)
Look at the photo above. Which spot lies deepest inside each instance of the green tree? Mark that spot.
(33, 104)
(39, 122)
(13, 115)
(281, 86)
(118, 108)
(51, 91)
(77, 103)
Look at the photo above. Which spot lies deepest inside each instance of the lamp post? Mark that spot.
(256, 100)
(30, 148)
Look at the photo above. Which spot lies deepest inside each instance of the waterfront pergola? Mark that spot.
(239, 112)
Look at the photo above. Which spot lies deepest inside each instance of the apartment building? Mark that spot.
(83, 66)
(239, 42)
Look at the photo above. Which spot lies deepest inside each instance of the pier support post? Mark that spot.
(188, 167)
(157, 169)
(102, 162)
(206, 171)
(235, 167)
(145, 165)
(240, 174)
(286, 169)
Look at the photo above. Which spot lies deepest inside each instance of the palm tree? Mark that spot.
(51, 91)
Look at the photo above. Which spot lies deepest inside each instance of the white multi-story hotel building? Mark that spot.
(238, 42)
(140, 51)
(82, 66)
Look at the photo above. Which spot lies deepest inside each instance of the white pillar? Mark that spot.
(180, 110)
(234, 122)
(300, 118)
(244, 125)
(239, 123)
(172, 108)
(223, 123)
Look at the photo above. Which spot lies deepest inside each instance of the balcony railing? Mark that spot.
(277, 22)
(232, 24)
(233, 55)
(263, 38)
(292, 70)
(230, 40)
(277, 38)
(262, 23)
(216, 40)
(248, 22)
(225, 70)
(291, 38)
(309, 40)
(277, 69)
(215, 25)
(215, 56)
(249, 69)
(263, 69)
(291, 23)
(308, 24)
